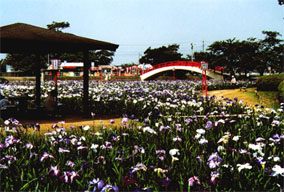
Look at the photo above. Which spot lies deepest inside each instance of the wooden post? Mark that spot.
(202, 82)
(205, 84)
(56, 87)
(86, 83)
(37, 88)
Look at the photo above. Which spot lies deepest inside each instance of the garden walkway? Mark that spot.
(74, 121)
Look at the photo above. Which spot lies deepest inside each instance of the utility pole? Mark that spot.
(139, 55)
(191, 51)
(203, 47)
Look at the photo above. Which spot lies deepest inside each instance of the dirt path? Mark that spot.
(75, 121)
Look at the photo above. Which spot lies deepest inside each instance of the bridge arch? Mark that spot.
(178, 65)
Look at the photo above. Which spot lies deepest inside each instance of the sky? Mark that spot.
(138, 24)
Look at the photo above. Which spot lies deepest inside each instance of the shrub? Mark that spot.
(269, 83)
(281, 91)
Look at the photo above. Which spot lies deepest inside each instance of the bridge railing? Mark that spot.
(219, 69)
(173, 63)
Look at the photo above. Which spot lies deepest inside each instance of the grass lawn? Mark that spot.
(269, 99)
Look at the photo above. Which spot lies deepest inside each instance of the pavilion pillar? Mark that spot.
(38, 81)
(86, 83)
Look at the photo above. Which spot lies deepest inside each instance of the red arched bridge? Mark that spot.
(180, 65)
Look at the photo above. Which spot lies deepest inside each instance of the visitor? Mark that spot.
(3, 101)
(233, 81)
(51, 103)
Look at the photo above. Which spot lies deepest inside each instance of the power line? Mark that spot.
(154, 44)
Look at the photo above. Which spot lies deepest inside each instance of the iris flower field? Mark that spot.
(171, 139)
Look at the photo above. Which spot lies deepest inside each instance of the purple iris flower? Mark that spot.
(69, 176)
(193, 180)
(32, 154)
(178, 127)
(214, 177)
(45, 156)
(98, 184)
(276, 137)
(54, 126)
(54, 170)
(10, 158)
(109, 187)
(215, 157)
(160, 151)
(132, 117)
(3, 166)
(70, 163)
(208, 125)
(199, 159)
(62, 150)
(214, 160)
(10, 140)
(112, 121)
(166, 181)
(188, 121)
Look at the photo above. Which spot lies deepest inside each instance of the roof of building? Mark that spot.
(24, 38)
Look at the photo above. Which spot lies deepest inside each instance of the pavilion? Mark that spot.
(24, 38)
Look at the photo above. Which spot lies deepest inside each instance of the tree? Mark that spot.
(249, 55)
(2, 66)
(201, 56)
(281, 2)
(161, 54)
(103, 57)
(224, 54)
(270, 52)
(24, 62)
(247, 50)
(58, 26)
(128, 64)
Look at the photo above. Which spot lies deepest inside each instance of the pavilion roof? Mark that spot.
(24, 38)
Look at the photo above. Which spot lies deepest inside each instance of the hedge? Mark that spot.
(269, 83)
(281, 92)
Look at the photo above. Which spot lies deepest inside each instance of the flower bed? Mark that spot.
(171, 140)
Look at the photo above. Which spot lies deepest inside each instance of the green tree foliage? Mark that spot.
(270, 53)
(161, 54)
(201, 56)
(103, 57)
(99, 57)
(248, 55)
(2, 66)
(58, 26)
(225, 54)
(128, 64)
(25, 62)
